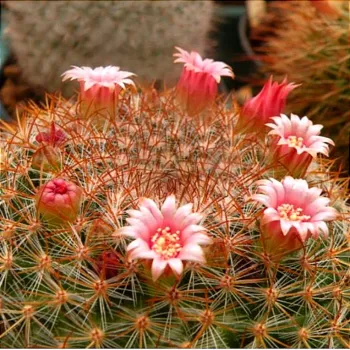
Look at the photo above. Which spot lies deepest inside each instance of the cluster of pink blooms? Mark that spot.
(170, 235)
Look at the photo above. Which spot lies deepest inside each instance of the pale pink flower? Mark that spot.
(198, 84)
(258, 110)
(58, 201)
(296, 142)
(99, 87)
(168, 236)
(294, 214)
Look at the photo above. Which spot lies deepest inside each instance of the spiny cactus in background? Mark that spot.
(316, 56)
(140, 36)
(163, 245)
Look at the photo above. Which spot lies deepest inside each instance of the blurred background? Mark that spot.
(305, 41)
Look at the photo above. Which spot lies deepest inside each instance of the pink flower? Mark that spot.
(294, 214)
(99, 87)
(58, 201)
(296, 142)
(258, 110)
(198, 84)
(167, 236)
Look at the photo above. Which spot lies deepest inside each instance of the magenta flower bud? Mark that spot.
(58, 201)
(54, 138)
(259, 110)
(198, 84)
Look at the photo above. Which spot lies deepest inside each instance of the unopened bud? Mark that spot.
(58, 201)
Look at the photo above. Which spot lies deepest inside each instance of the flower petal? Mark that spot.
(176, 265)
(158, 267)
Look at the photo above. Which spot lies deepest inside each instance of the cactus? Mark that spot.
(75, 284)
(140, 34)
(315, 55)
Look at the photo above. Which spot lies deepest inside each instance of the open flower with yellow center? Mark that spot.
(294, 214)
(296, 142)
(168, 235)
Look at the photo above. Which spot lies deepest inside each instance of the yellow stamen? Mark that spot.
(165, 243)
(294, 141)
(288, 213)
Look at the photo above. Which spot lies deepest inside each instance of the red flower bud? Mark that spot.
(259, 110)
(58, 201)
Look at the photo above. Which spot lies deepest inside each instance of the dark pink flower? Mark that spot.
(258, 110)
(198, 84)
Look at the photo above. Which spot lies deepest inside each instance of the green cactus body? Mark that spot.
(74, 286)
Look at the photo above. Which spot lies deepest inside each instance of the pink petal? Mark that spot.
(136, 244)
(141, 230)
(285, 226)
(153, 208)
(190, 230)
(322, 226)
(261, 198)
(169, 207)
(302, 231)
(143, 254)
(316, 206)
(176, 265)
(270, 214)
(183, 212)
(198, 238)
(326, 215)
(192, 253)
(191, 219)
(158, 267)
(149, 220)
(128, 231)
